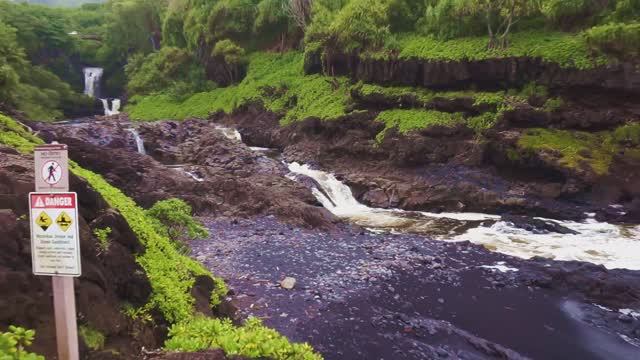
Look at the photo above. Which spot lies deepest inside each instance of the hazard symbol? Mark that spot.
(43, 220)
(64, 221)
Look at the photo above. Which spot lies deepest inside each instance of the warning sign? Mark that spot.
(52, 173)
(55, 248)
(43, 220)
(64, 221)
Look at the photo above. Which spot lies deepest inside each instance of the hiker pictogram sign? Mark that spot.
(55, 240)
(52, 173)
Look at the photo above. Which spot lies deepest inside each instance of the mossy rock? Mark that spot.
(576, 150)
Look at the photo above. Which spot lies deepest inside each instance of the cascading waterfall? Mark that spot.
(229, 133)
(139, 141)
(611, 245)
(114, 109)
(92, 76)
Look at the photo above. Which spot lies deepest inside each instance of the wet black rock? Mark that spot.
(537, 226)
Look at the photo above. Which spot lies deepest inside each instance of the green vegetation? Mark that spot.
(628, 134)
(173, 217)
(276, 80)
(93, 338)
(621, 41)
(171, 70)
(17, 136)
(574, 148)
(13, 344)
(171, 274)
(103, 238)
(410, 120)
(567, 50)
(252, 340)
(426, 96)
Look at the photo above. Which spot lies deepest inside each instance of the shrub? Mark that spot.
(445, 20)
(252, 340)
(93, 338)
(361, 24)
(171, 70)
(174, 217)
(569, 13)
(628, 134)
(627, 10)
(231, 55)
(13, 343)
(621, 41)
(232, 19)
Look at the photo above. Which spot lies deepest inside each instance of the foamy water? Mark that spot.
(611, 245)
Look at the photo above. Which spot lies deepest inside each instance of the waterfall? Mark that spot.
(114, 109)
(229, 133)
(613, 246)
(139, 141)
(92, 76)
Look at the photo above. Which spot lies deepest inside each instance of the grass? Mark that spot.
(276, 80)
(413, 119)
(565, 49)
(425, 96)
(628, 134)
(574, 148)
(14, 135)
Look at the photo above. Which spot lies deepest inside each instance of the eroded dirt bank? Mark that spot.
(358, 294)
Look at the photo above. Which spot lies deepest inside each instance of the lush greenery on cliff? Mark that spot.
(173, 49)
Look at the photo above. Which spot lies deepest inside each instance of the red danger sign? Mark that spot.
(55, 240)
(60, 200)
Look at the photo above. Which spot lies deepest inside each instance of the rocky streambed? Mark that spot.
(375, 281)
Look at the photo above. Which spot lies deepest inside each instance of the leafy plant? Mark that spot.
(175, 220)
(13, 343)
(103, 238)
(252, 340)
(93, 338)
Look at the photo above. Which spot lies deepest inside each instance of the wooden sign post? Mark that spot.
(55, 240)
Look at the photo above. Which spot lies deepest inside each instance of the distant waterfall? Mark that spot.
(92, 76)
(114, 109)
(139, 141)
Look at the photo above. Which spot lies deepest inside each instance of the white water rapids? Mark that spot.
(601, 243)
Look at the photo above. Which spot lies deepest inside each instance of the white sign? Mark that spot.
(52, 172)
(55, 238)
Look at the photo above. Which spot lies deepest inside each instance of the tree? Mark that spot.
(299, 11)
(231, 55)
(500, 16)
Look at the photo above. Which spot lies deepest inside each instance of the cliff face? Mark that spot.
(111, 279)
(492, 73)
